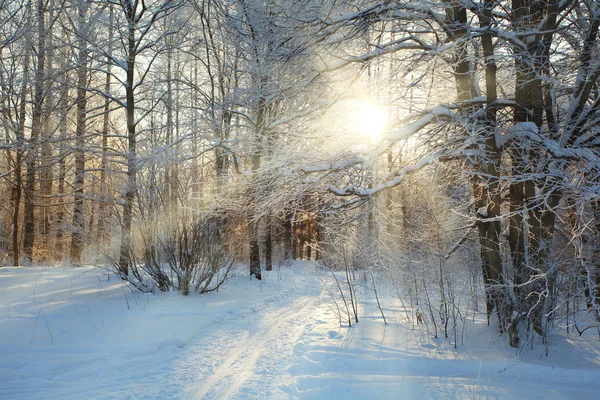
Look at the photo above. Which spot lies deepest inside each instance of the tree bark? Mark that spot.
(129, 196)
(47, 162)
(20, 142)
(288, 235)
(268, 243)
(102, 209)
(489, 193)
(36, 126)
(77, 238)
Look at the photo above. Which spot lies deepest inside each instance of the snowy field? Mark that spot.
(74, 334)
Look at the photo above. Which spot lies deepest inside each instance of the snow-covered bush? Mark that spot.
(197, 256)
(187, 255)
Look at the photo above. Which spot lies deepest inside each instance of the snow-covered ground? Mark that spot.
(73, 334)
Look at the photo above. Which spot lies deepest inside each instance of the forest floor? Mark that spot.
(72, 333)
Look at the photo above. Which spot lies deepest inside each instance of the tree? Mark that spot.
(535, 138)
(36, 128)
(15, 83)
(81, 103)
(138, 37)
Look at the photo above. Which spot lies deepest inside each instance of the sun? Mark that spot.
(372, 121)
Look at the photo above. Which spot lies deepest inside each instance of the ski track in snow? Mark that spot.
(265, 342)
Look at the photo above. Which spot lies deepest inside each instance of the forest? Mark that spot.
(445, 151)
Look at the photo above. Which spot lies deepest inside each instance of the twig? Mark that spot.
(377, 298)
(47, 325)
(35, 326)
(125, 294)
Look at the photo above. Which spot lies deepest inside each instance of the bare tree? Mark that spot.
(138, 37)
(80, 132)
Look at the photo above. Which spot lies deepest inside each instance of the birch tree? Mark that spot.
(80, 133)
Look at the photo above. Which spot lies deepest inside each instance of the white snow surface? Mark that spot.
(70, 333)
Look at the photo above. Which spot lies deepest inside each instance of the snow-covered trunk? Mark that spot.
(268, 139)
(62, 172)
(221, 154)
(36, 127)
(18, 177)
(595, 294)
(254, 247)
(129, 196)
(197, 170)
(46, 160)
(551, 192)
(177, 191)
(253, 238)
(221, 164)
(488, 193)
(8, 151)
(528, 234)
(169, 179)
(288, 235)
(104, 201)
(485, 187)
(77, 238)
(172, 188)
(268, 243)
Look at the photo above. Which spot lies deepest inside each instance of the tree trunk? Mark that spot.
(18, 187)
(47, 163)
(524, 231)
(288, 235)
(62, 172)
(595, 295)
(102, 209)
(253, 223)
(169, 178)
(268, 243)
(254, 249)
(36, 126)
(78, 235)
(125, 251)
(489, 192)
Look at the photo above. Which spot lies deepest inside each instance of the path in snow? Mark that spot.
(273, 336)
(102, 341)
(71, 334)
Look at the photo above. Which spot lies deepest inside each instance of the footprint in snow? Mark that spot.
(334, 335)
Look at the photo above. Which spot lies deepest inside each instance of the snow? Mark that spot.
(410, 130)
(520, 129)
(397, 179)
(70, 333)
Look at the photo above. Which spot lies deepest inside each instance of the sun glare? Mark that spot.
(372, 121)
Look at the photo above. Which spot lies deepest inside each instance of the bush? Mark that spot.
(191, 256)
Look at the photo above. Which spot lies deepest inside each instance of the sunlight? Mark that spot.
(372, 121)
